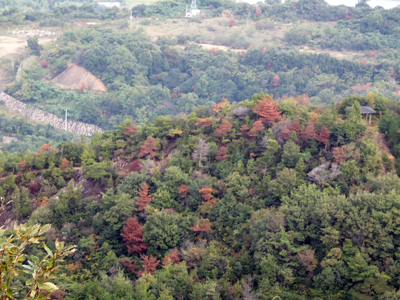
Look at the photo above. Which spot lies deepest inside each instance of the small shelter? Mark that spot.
(366, 110)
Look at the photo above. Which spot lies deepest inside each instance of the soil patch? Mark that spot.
(10, 45)
(76, 77)
(335, 54)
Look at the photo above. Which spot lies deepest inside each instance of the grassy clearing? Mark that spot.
(214, 31)
(217, 33)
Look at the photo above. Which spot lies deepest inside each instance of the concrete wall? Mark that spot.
(48, 118)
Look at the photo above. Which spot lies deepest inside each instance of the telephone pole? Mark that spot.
(66, 121)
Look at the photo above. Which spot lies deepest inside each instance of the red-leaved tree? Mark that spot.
(130, 130)
(222, 152)
(65, 163)
(131, 266)
(267, 110)
(44, 64)
(149, 264)
(258, 11)
(148, 148)
(296, 127)
(182, 190)
(144, 198)
(323, 135)
(22, 164)
(309, 133)
(224, 128)
(172, 257)
(133, 236)
(257, 127)
(135, 166)
(275, 81)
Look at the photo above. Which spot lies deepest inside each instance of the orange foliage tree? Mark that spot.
(244, 128)
(149, 264)
(267, 110)
(45, 147)
(144, 198)
(130, 130)
(65, 163)
(339, 154)
(222, 105)
(183, 190)
(148, 148)
(172, 257)
(224, 128)
(207, 196)
(257, 127)
(133, 236)
(205, 122)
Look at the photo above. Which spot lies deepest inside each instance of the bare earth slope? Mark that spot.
(76, 77)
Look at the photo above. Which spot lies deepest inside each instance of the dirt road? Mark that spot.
(10, 45)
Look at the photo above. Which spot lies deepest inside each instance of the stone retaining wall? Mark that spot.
(48, 118)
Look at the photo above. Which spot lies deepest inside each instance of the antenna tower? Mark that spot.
(193, 11)
(193, 6)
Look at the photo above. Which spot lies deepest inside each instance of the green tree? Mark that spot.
(33, 45)
(14, 249)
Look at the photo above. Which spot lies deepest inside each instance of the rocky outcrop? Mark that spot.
(49, 118)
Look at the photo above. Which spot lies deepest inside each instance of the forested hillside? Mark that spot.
(254, 200)
(147, 79)
(236, 161)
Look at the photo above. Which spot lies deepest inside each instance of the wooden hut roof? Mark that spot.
(367, 110)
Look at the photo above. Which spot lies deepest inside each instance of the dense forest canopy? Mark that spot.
(253, 200)
(244, 174)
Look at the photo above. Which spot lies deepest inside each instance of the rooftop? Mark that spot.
(367, 110)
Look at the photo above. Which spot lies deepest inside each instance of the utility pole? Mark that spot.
(66, 122)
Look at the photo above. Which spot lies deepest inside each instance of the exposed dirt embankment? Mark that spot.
(76, 77)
